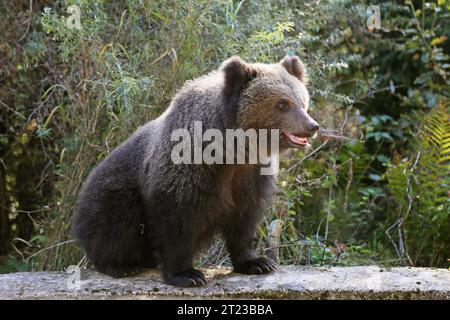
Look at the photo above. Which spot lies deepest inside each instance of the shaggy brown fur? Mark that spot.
(138, 209)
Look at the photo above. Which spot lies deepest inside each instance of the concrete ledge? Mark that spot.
(362, 282)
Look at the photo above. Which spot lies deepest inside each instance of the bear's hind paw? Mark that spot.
(259, 265)
(187, 278)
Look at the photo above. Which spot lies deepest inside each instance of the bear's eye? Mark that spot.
(283, 104)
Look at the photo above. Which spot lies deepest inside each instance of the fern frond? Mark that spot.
(421, 189)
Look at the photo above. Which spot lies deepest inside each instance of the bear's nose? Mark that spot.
(313, 127)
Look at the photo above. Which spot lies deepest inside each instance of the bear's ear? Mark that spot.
(237, 74)
(294, 66)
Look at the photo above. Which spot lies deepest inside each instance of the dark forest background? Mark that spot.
(380, 195)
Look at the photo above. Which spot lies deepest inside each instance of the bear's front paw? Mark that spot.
(187, 278)
(256, 266)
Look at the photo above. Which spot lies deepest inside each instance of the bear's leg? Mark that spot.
(177, 266)
(238, 237)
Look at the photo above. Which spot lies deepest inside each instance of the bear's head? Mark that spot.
(271, 96)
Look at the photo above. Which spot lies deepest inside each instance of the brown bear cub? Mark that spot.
(138, 209)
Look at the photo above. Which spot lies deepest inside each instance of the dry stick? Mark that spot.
(327, 135)
(12, 110)
(349, 182)
(17, 250)
(388, 234)
(29, 21)
(400, 249)
(81, 261)
(345, 121)
(314, 151)
(336, 137)
(330, 193)
(47, 94)
(295, 243)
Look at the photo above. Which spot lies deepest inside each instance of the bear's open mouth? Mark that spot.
(300, 141)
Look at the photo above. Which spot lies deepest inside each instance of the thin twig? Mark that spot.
(337, 137)
(349, 183)
(314, 151)
(11, 109)
(17, 250)
(388, 234)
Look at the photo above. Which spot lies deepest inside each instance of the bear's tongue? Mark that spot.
(295, 139)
